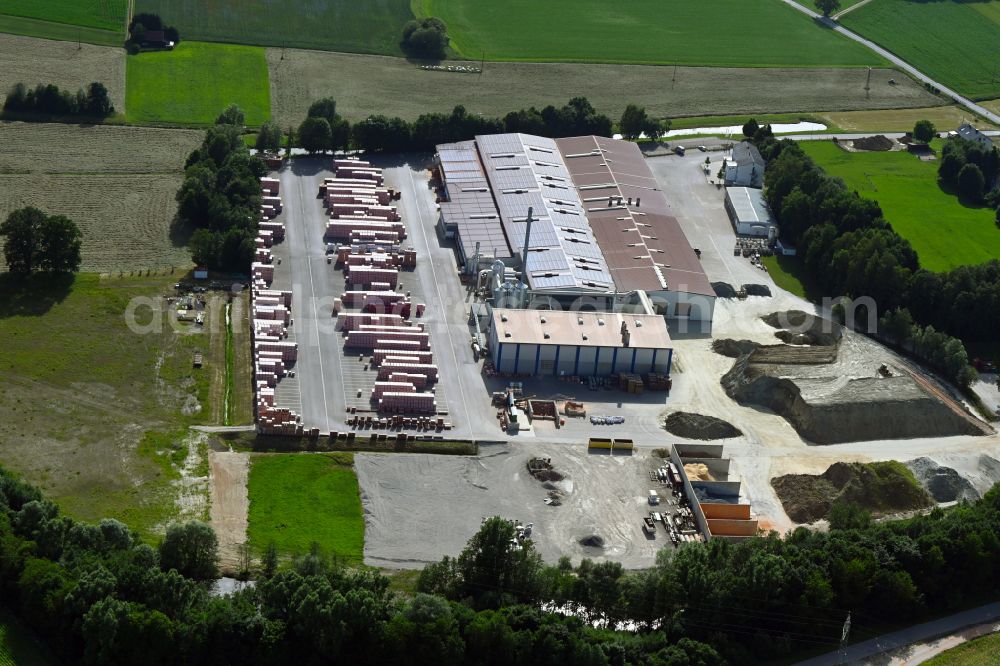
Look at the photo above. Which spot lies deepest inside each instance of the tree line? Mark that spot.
(220, 197)
(98, 594)
(849, 249)
(971, 170)
(49, 100)
(324, 129)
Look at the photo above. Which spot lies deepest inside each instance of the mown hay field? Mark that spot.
(368, 26)
(117, 183)
(194, 82)
(94, 411)
(944, 233)
(724, 33)
(952, 42)
(364, 85)
(300, 498)
(900, 120)
(70, 66)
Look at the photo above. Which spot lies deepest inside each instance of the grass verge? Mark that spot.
(944, 232)
(790, 274)
(299, 499)
(194, 82)
(981, 651)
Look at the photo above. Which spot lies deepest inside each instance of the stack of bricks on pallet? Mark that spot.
(271, 316)
(348, 321)
(270, 203)
(366, 276)
(428, 370)
(382, 355)
(404, 339)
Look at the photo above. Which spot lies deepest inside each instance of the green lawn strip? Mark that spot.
(75, 341)
(103, 14)
(194, 82)
(952, 42)
(298, 499)
(370, 26)
(789, 274)
(944, 232)
(981, 651)
(18, 645)
(29, 27)
(738, 33)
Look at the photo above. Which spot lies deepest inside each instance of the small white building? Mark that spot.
(586, 344)
(749, 213)
(745, 168)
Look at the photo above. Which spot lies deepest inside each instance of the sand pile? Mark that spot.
(698, 472)
(699, 426)
(882, 488)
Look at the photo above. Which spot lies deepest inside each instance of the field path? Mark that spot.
(228, 472)
(899, 62)
(836, 17)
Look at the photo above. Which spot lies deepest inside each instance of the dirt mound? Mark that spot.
(592, 541)
(733, 348)
(757, 290)
(541, 469)
(804, 328)
(943, 483)
(699, 426)
(882, 488)
(878, 143)
(724, 290)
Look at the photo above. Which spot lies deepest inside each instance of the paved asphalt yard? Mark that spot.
(328, 383)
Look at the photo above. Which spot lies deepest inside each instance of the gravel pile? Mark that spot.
(943, 483)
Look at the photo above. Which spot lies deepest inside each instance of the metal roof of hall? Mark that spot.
(470, 204)
(529, 171)
(643, 245)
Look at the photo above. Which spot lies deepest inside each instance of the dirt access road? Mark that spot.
(228, 472)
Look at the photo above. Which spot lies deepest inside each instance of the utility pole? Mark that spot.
(674, 79)
(868, 84)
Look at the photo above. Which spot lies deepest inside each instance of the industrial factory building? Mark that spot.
(749, 213)
(563, 343)
(599, 227)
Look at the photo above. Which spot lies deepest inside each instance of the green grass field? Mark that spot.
(300, 498)
(101, 14)
(944, 232)
(357, 26)
(789, 274)
(978, 652)
(193, 83)
(952, 42)
(92, 411)
(30, 27)
(741, 33)
(18, 646)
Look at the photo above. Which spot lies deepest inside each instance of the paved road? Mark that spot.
(897, 640)
(897, 61)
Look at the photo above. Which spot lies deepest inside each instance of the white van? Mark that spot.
(653, 498)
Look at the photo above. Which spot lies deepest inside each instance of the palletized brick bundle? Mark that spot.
(407, 403)
(417, 380)
(425, 369)
(387, 340)
(348, 321)
(380, 355)
(381, 388)
(364, 276)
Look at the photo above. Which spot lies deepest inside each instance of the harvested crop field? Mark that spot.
(900, 120)
(365, 85)
(70, 66)
(117, 183)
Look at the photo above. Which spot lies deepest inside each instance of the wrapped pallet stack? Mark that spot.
(372, 315)
(270, 317)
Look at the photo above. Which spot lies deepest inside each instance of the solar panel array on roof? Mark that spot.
(529, 172)
(470, 210)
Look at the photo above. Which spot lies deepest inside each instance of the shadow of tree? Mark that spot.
(33, 295)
